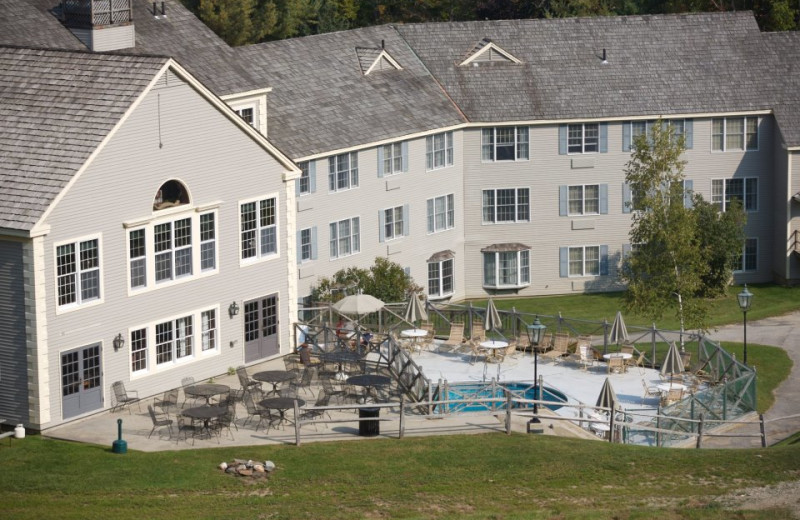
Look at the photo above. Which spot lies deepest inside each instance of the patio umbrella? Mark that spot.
(415, 311)
(358, 304)
(492, 319)
(673, 364)
(607, 397)
(618, 332)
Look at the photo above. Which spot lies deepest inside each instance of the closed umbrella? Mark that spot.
(673, 364)
(607, 397)
(415, 311)
(619, 332)
(492, 319)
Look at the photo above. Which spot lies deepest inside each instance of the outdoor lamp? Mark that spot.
(535, 332)
(745, 299)
(233, 310)
(118, 342)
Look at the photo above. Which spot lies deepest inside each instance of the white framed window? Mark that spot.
(439, 151)
(392, 222)
(506, 143)
(748, 260)
(167, 342)
(584, 261)
(172, 256)
(258, 221)
(78, 272)
(304, 181)
(343, 171)
(583, 138)
(441, 214)
(305, 244)
(633, 129)
(440, 278)
(345, 237)
(507, 269)
(734, 133)
(506, 205)
(392, 158)
(745, 190)
(248, 114)
(584, 199)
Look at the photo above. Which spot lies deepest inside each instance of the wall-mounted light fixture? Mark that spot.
(118, 342)
(233, 310)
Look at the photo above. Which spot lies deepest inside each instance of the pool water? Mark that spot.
(474, 391)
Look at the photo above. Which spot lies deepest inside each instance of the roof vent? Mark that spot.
(605, 61)
(159, 15)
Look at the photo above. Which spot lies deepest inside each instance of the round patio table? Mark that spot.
(275, 377)
(368, 381)
(206, 390)
(340, 357)
(205, 413)
(281, 404)
(494, 345)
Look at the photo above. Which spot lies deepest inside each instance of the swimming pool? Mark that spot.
(469, 391)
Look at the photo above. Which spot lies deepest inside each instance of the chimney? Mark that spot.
(605, 61)
(99, 24)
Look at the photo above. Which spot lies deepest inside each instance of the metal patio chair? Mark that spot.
(124, 398)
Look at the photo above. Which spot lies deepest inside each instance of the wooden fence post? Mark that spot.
(296, 424)
(508, 413)
(763, 430)
(611, 425)
(700, 432)
(402, 417)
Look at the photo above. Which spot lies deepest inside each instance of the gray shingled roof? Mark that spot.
(656, 65)
(784, 50)
(56, 108)
(321, 100)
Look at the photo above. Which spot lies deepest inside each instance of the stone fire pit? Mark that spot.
(248, 468)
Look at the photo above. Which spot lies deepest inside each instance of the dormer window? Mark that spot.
(172, 193)
(374, 60)
(488, 51)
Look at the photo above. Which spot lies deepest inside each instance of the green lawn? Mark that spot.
(768, 300)
(461, 477)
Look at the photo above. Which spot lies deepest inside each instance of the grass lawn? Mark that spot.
(463, 476)
(768, 300)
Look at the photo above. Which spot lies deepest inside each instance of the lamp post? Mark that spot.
(535, 332)
(745, 299)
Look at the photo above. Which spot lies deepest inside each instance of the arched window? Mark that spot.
(170, 194)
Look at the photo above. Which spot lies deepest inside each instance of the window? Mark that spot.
(734, 133)
(392, 222)
(78, 272)
(392, 158)
(584, 200)
(305, 244)
(748, 261)
(172, 193)
(174, 340)
(745, 190)
(343, 171)
(506, 205)
(138, 350)
(633, 129)
(208, 242)
(504, 143)
(584, 261)
(439, 151)
(173, 248)
(138, 258)
(583, 138)
(304, 181)
(345, 237)
(441, 215)
(246, 114)
(440, 278)
(259, 228)
(506, 268)
(208, 321)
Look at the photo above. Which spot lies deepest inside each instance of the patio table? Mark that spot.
(281, 404)
(206, 390)
(274, 377)
(415, 335)
(493, 346)
(369, 382)
(205, 413)
(340, 357)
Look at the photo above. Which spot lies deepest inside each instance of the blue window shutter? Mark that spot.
(688, 133)
(404, 155)
(297, 187)
(406, 220)
(299, 247)
(603, 137)
(312, 176)
(431, 216)
(381, 226)
(563, 261)
(626, 251)
(604, 199)
(688, 191)
(562, 201)
(562, 140)
(626, 197)
(313, 242)
(331, 173)
(380, 161)
(603, 260)
(626, 136)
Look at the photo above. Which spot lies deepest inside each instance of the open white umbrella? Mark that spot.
(619, 332)
(673, 364)
(607, 397)
(415, 311)
(492, 320)
(358, 304)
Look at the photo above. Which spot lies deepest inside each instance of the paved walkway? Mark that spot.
(780, 331)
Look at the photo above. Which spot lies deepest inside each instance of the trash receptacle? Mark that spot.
(367, 428)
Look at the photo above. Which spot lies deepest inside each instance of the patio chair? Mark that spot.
(323, 399)
(168, 401)
(476, 352)
(672, 395)
(186, 427)
(560, 347)
(247, 383)
(510, 351)
(253, 411)
(187, 381)
(546, 343)
(290, 390)
(639, 363)
(686, 357)
(159, 421)
(124, 398)
(336, 393)
(584, 356)
(523, 342)
(309, 374)
(627, 348)
(616, 365)
(223, 422)
(455, 339)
